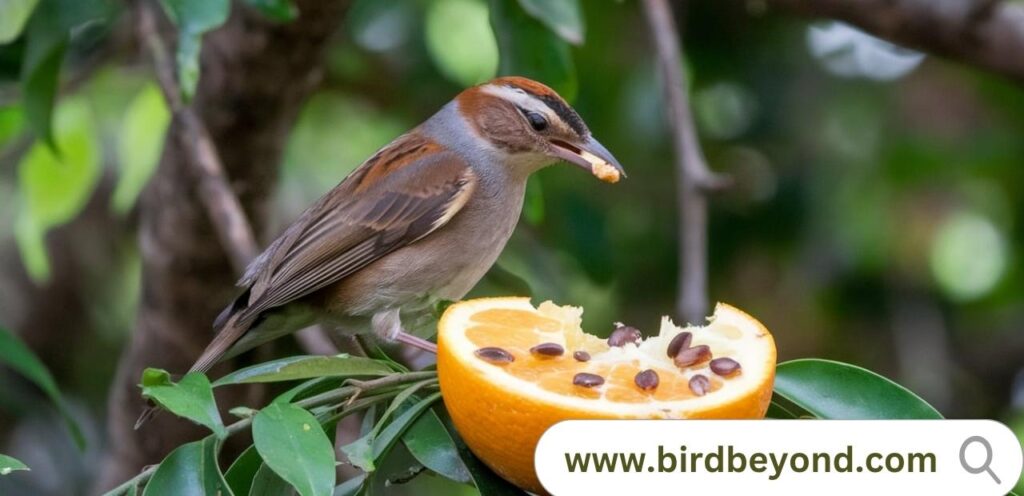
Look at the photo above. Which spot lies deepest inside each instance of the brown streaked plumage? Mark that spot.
(421, 220)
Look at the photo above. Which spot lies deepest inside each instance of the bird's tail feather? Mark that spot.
(228, 335)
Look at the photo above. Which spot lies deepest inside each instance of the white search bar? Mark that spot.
(792, 457)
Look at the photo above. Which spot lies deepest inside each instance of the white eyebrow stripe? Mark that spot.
(523, 100)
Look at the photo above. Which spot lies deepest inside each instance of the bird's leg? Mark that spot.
(388, 325)
(416, 342)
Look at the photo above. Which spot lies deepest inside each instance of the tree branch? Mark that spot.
(256, 74)
(693, 177)
(225, 211)
(988, 34)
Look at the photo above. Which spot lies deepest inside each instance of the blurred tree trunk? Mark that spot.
(255, 76)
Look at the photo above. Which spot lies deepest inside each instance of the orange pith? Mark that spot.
(502, 409)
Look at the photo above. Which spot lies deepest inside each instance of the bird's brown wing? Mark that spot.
(401, 194)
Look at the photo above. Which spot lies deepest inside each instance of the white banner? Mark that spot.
(790, 457)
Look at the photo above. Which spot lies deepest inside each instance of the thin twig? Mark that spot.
(694, 178)
(327, 398)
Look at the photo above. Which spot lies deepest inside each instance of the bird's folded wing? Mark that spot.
(400, 195)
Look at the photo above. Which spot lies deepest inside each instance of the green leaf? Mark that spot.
(394, 430)
(778, 411)
(268, 483)
(15, 14)
(278, 10)
(191, 397)
(835, 390)
(531, 50)
(190, 469)
(306, 367)
(485, 480)
(431, 445)
(460, 41)
(363, 451)
(293, 444)
(242, 471)
(193, 18)
(350, 487)
(561, 16)
(20, 358)
(9, 464)
(54, 188)
(309, 388)
(140, 142)
(40, 75)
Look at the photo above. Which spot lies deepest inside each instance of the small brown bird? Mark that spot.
(420, 221)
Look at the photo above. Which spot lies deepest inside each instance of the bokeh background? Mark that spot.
(875, 216)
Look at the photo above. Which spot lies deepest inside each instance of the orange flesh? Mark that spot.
(516, 331)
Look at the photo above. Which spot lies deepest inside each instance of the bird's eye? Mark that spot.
(537, 121)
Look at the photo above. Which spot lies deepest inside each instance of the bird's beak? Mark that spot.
(591, 156)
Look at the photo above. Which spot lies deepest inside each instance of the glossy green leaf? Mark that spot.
(54, 188)
(278, 10)
(363, 452)
(835, 390)
(17, 356)
(431, 445)
(561, 16)
(10, 464)
(392, 433)
(485, 480)
(778, 411)
(268, 483)
(460, 41)
(242, 471)
(293, 444)
(140, 142)
(191, 397)
(350, 487)
(190, 469)
(193, 18)
(306, 367)
(15, 15)
(530, 49)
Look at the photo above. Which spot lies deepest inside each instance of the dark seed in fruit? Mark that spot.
(548, 350)
(700, 385)
(587, 380)
(581, 356)
(692, 356)
(494, 355)
(679, 343)
(623, 335)
(646, 380)
(725, 366)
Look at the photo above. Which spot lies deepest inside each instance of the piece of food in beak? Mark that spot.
(591, 156)
(606, 172)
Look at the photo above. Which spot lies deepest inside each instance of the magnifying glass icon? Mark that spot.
(986, 466)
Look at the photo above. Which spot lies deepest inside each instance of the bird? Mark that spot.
(422, 220)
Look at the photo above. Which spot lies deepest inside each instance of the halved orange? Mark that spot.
(501, 406)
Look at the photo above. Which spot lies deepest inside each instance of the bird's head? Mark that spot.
(533, 125)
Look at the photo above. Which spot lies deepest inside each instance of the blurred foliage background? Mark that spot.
(875, 217)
